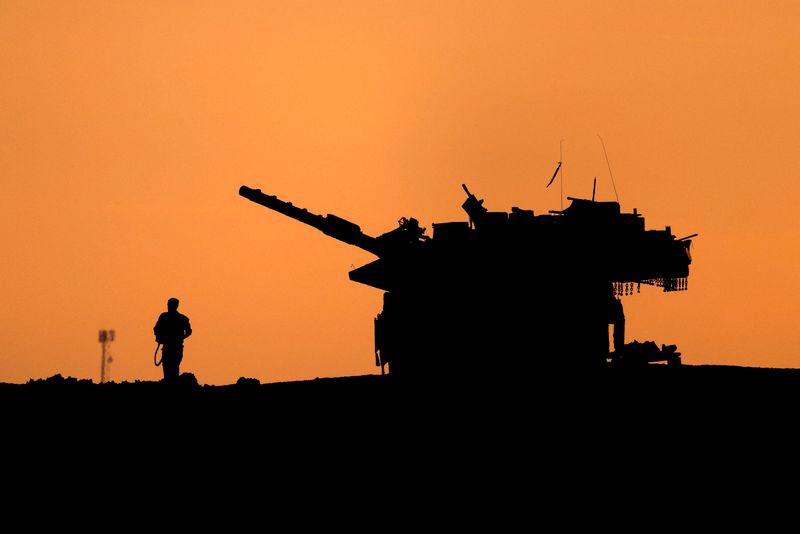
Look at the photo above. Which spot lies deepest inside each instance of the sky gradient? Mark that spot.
(128, 127)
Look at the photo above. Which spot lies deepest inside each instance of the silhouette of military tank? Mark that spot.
(508, 291)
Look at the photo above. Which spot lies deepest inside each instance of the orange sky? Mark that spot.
(128, 127)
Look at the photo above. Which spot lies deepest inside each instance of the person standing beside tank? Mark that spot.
(170, 330)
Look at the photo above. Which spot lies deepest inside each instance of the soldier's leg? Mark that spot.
(169, 363)
(178, 359)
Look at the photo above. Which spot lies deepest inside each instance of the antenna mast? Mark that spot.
(561, 170)
(609, 168)
(105, 337)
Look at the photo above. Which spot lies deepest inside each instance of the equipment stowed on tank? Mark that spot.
(506, 291)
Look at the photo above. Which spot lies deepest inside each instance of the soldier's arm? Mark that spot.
(187, 330)
(156, 329)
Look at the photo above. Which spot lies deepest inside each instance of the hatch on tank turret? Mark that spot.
(590, 208)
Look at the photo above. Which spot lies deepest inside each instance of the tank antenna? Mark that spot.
(594, 187)
(554, 175)
(609, 168)
(561, 168)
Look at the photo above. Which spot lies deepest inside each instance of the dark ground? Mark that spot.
(651, 397)
(656, 434)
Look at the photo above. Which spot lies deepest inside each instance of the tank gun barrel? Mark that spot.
(331, 225)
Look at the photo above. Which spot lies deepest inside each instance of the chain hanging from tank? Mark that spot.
(621, 289)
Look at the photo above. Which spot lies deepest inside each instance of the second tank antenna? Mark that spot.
(609, 168)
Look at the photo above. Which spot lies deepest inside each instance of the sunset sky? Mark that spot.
(127, 128)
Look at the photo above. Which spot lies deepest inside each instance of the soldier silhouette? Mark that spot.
(170, 330)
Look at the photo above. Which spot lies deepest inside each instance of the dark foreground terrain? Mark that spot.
(701, 397)
(553, 433)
